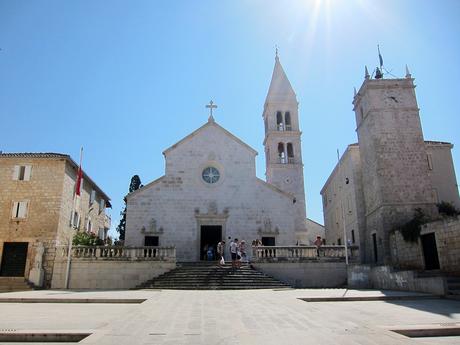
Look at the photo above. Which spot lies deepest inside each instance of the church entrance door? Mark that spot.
(210, 235)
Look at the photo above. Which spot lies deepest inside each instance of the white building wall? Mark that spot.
(180, 200)
(442, 173)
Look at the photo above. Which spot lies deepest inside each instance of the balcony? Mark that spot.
(284, 160)
(281, 127)
(303, 253)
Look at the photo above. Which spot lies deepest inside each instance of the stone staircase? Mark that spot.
(453, 287)
(211, 276)
(9, 284)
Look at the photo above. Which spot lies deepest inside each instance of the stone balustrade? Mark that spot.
(299, 253)
(120, 253)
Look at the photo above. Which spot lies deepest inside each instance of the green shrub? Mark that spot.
(86, 239)
(447, 209)
(410, 231)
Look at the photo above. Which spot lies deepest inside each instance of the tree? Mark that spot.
(134, 185)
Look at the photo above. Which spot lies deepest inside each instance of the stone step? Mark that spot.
(214, 281)
(191, 287)
(8, 284)
(210, 276)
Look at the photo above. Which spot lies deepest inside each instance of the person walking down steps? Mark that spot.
(221, 252)
(234, 253)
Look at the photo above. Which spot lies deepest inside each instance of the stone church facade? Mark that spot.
(210, 190)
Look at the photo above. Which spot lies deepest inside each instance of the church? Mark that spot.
(210, 191)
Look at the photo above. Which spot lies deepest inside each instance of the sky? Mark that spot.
(127, 79)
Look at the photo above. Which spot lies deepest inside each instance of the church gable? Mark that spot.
(210, 146)
(214, 125)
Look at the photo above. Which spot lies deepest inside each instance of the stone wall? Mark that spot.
(44, 195)
(337, 192)
(49, 193)
(410, 255)
(442, 172)
(385, 278)
(107, 274)
(308, 274)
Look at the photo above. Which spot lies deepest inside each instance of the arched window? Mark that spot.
(279, 121)
(287, 120)
(290, 153)
(281, 154)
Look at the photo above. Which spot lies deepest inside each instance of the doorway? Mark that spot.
(430, 251)
(268, 241)
(374, 244)
(151, 241)
(14, 259)
(210, 235)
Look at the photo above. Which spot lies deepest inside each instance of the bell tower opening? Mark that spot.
(284, 167)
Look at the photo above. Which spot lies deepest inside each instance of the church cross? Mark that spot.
(211, 106)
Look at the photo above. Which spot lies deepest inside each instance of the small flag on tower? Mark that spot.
(380, 57)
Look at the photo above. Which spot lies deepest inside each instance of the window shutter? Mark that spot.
(14, 211)
(22, 209)
(92, 197)
(16, 172)
(27, 172)
(102, 205)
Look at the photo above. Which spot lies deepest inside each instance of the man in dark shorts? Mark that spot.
(234, 252)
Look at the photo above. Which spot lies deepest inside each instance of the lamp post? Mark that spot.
(341, 205)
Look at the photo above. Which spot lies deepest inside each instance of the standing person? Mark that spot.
(234, 252)
(242, 249)
(318, 242)
(220, 251)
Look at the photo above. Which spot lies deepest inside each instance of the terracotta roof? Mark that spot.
(34, 154)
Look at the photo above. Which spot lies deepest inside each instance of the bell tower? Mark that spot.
(396, 179)
(283, 153)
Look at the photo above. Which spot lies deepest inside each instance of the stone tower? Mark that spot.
(393, 157)
(283, 154)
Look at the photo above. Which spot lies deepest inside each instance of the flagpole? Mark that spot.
(343, 211)
(70, 239)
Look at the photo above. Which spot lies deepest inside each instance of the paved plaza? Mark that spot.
(266, 317)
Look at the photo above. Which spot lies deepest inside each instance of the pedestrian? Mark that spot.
(234, 252)
(318, 242)
(205, 251)
(242, 250)
(221, 252)
(210, 253)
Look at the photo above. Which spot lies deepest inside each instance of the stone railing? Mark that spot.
(299, 253)
(120, 253)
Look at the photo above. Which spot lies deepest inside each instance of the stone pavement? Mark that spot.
(266, 317)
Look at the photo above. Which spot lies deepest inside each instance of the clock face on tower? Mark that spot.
(390, 99)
